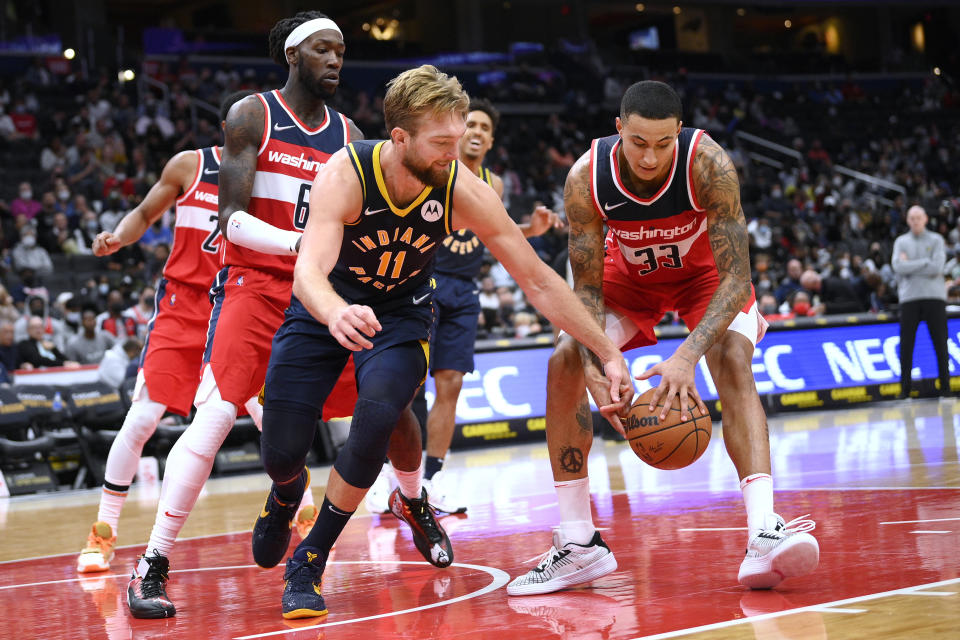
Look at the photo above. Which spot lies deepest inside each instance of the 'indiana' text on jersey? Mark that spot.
(461, 254)
(388, 251)
(662, 238)
(289, 157)
(193, 257)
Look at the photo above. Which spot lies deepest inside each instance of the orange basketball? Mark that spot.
(667, 443)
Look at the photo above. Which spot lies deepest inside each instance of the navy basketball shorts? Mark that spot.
(306, 359)
(456, 313)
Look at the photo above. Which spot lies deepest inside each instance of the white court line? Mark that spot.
(715, 529)
(932, 593)
(919, 521)
(814, 608)
(931, 531)
(500, 578)
(91, 577)
(822, 609)
(545, 506)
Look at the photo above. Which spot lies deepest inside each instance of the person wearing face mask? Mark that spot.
(27, 254)
(86, 232)
(800, 305)
(25, 204)
(113, 320)
(91, 343)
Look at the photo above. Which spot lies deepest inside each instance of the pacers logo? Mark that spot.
(431, 211)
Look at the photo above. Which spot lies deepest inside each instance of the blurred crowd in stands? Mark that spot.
(80, 152)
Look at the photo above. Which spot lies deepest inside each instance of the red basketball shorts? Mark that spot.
(173, 354)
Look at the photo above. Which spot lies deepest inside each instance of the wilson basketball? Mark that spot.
(667, 443)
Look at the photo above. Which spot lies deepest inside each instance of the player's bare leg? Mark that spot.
(578, 553)
(440, 427)
(775, 549)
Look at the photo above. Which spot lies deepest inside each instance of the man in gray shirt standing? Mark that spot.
(918, 259)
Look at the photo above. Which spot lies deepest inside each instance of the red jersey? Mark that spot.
(290, 155)
(660, 239)
(193, 257)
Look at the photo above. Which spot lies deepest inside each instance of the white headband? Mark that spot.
(309, 28)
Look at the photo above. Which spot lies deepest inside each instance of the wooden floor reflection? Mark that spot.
(882, 482)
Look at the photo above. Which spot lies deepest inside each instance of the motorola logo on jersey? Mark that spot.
(652, 233)
(431, 211)
(203, 196)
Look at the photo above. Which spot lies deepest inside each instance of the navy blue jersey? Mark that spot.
(461, 254)
(662, 238)
(388, 252)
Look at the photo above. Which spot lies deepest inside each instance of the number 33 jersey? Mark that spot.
(659, 239)
(288, 159)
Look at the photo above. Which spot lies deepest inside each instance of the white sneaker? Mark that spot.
(564, 566)
(440, 496)
(779, 551)
(378, 497)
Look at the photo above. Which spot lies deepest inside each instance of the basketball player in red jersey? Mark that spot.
(677, 241)
(170, 364)
(275, 142)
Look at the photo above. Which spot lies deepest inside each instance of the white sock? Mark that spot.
(410, 482)
(758, 500)
(188, 467)
(139, 424)
(576, 519)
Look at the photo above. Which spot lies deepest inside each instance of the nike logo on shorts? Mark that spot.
(418, 300)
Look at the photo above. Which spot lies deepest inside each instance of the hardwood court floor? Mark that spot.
(882, 483)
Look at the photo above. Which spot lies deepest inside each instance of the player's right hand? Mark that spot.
(612, 389)
(106, 243)
(352, 325)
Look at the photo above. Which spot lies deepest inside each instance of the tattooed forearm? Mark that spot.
(585, 244)
(242, 136)
(716, 184)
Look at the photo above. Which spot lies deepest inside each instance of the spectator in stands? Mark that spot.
(525, 324)
(142, 312)
(918, 261)
(800, 307)
(91, 343)
(53, 328)
(27, 254)
(836, 294)
(8, 311)
(791, 282)
(38, 351)
(768, 307)
(113, 320)
(24, 121)
(25, 205)
(57, 238)
(152, 118)
(761, 233)
(83, 174)
(53, 155)
(9, 351)
(157, 233)
(113, 367)
(8, 131)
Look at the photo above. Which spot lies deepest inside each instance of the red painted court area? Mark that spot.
(885, 522)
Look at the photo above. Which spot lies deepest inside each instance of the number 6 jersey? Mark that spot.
(289, 157)
(658, 239)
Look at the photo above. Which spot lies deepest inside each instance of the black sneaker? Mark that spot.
(146, 592)
(429, 537)
(271, 531)
(301, 592)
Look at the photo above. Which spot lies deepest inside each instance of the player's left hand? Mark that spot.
(676, 378)
(542, 219)
(612, 389)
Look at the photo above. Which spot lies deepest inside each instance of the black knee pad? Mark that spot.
(288, 433)
(362, 456)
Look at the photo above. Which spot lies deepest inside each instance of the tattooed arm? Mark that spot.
(585, 245)
(718, 189)
(242, 135)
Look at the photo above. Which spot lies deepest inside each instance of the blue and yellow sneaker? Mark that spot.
(271, 531)
(301, 591)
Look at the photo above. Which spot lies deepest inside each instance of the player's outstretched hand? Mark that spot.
(612, 389)
(676, 378)
(106, 243)
(542, 220)
(352, 325)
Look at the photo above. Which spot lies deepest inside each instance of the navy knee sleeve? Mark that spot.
(287, 436)
(362, 456)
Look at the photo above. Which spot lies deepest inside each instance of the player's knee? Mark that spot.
(362, 456)
(733, 357)
(448, 383)
(288, 433)
(209, 428)
(141, 420)
(565, 364)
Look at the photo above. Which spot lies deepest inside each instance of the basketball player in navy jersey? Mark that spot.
(677, 241)
(457, 311)
(171, 359)
(363, 285)
(274, 144)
